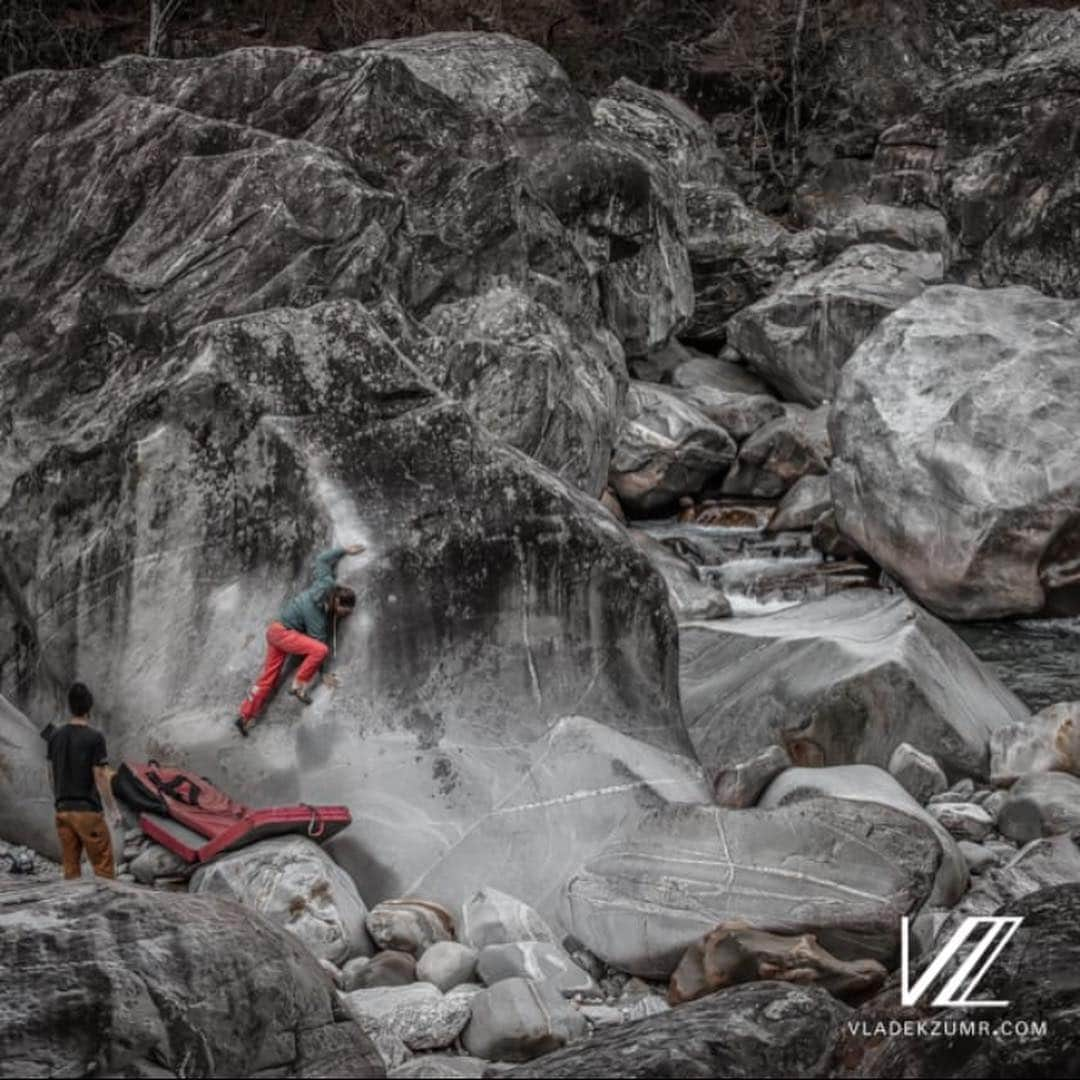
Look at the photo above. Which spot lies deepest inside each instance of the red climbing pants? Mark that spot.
(280, 643)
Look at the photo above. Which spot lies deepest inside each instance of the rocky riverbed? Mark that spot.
(720, 603)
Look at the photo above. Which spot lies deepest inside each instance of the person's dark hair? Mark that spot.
(80, 700)
(343, 595)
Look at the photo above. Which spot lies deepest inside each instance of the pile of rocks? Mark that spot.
(497, 987)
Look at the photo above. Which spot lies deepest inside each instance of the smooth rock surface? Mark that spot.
(536, 960)
(295, 884)
(119, 981)
(27, 811)
(806, 500)
(799, 336)
(155, 862)
(983, 526)
(742, 785)
(842, 870)
(446, 964)
(695, 370)
(388, 968)
(871, 784)
(691, 595)
(919, 774)
(491, 917)
(519, 1019)
(224, 377)
(862, 672)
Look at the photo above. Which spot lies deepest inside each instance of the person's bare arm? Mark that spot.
(104, 786)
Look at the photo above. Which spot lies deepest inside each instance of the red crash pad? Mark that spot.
(188, 815)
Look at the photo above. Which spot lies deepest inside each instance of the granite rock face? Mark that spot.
(799, 336)
(531, 381)
(867, 783)
(138, 996)
(845, 871)
(295, 884)
(983, 524)
(839, 681)
(207, 477)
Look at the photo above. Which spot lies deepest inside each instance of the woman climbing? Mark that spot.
(307, 625)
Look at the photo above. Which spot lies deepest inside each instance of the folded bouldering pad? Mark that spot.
(188, 815)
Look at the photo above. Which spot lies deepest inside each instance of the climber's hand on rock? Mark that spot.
(355, 549)
(331, 680)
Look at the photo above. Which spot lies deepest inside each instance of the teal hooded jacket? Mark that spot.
(307, 612)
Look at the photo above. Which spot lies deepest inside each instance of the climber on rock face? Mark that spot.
(306, 628)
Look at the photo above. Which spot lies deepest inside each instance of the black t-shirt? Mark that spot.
(74, 750)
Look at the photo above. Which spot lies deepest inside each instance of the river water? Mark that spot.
(760, 573)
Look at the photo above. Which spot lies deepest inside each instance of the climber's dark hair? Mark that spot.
(343, 595)
(80, 700)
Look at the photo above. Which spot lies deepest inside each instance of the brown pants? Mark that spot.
(81, 829)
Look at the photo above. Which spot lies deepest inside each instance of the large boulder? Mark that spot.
(119, 981)
(930, 476)
(491, 917)
(994, 152)
(531, 381)
(692, 595)
(577, 790)
(839, 681)
(843, 870)
(801, 335)
(213, 369)
(762, 1029)
(294, 883)
(737, 254)
(868, 783)
(666, 448)
(494, 599)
